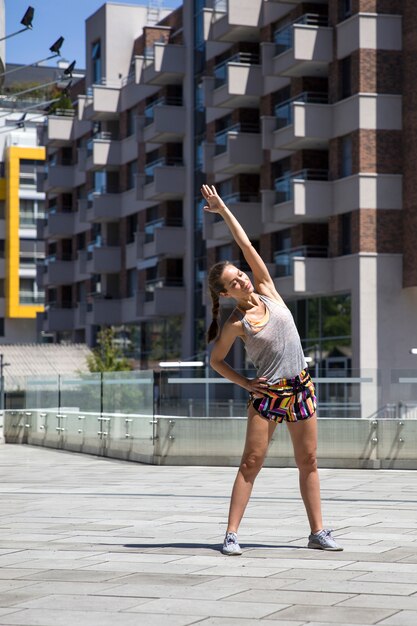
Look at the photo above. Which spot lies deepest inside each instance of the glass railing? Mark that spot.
(284, 37)
(238, 197)
(284, 260)
(163, 161)
(151, 227)
(284, 110)
(284, 188)
(29, 297)
(242, 58)
(164, 101)
(175, 414)
(158, 283)
(221, 137)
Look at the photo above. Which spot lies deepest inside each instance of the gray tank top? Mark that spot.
(274, 349)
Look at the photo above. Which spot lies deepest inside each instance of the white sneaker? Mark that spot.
(323, 541)
(230, 545)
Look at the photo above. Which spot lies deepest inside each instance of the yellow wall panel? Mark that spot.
(10, 188)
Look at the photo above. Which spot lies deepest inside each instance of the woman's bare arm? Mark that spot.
(262, 278)
(221, 348)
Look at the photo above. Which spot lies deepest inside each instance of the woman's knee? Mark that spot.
(307, 462)
(251, 464)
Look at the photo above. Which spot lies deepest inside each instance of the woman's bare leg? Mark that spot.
(258, 436)
(304, 439)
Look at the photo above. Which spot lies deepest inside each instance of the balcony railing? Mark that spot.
(284, 37)
(243, 58)
(284, 185)
(234, 198)
(103, 136)
(151, 227)
(29, 297)
(157, 283)
(165, 101)
(284, 111)
(221, 138)
(163, 161)
(284, 260)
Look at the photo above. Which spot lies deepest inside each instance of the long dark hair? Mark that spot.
(216, 286)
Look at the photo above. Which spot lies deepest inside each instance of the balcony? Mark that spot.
(363, 110)
(103, 151)
(304, 270)
(301, 123)
(303, 48)
(104, 259)
(59, 318)
(367, 191)
(60, 224)
(116, 311)
(166, 67)
(369, 30)
(164, 180)
(61, 179)
(164, 121)
(162, 298)
(81, 267)
(247, 210)
(235, 20)
(58, 272)
(163, 239)
(60, 129)
(103, 206)
(105, 102)
(237, 151)
(237, 83)
(299, 197)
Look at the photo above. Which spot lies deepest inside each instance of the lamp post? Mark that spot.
(26, 21)
(56, 52)
(2, 366)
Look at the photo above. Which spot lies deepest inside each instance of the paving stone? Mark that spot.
(87, 540)
(44, 617)
(209, 608)
(334, 614)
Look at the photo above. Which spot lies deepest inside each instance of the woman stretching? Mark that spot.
(282, 389)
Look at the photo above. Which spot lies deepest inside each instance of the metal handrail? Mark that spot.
(284, 111)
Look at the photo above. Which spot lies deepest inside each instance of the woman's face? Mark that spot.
(236, 283)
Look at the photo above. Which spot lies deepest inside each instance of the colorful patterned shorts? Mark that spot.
(291, 399)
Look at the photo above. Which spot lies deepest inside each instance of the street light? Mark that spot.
(55, 49)
(26, 21)
(66, 76)
(413, 351)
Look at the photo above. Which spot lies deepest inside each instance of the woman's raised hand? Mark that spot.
(214, 203)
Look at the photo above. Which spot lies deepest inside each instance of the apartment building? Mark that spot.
(303, 115)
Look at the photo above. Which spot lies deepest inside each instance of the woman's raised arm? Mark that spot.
(261, 275)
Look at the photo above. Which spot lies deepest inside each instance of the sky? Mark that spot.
(53, 19)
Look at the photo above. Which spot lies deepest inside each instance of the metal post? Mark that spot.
(1, 384)
(206, 384)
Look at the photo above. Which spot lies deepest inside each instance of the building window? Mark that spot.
(324, 325)
(346, 233)
(345, 78)
(346, 164)
(346, 9)
(1, 287)
(1, 326)
(96, 59)
(132, 169)
(131, 122)
(2, 209)
(224, 253)
(1, 248)
(132, 276)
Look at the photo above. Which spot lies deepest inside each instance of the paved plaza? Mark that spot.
(86, 541)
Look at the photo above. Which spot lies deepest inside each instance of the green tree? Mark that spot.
(107, 357)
